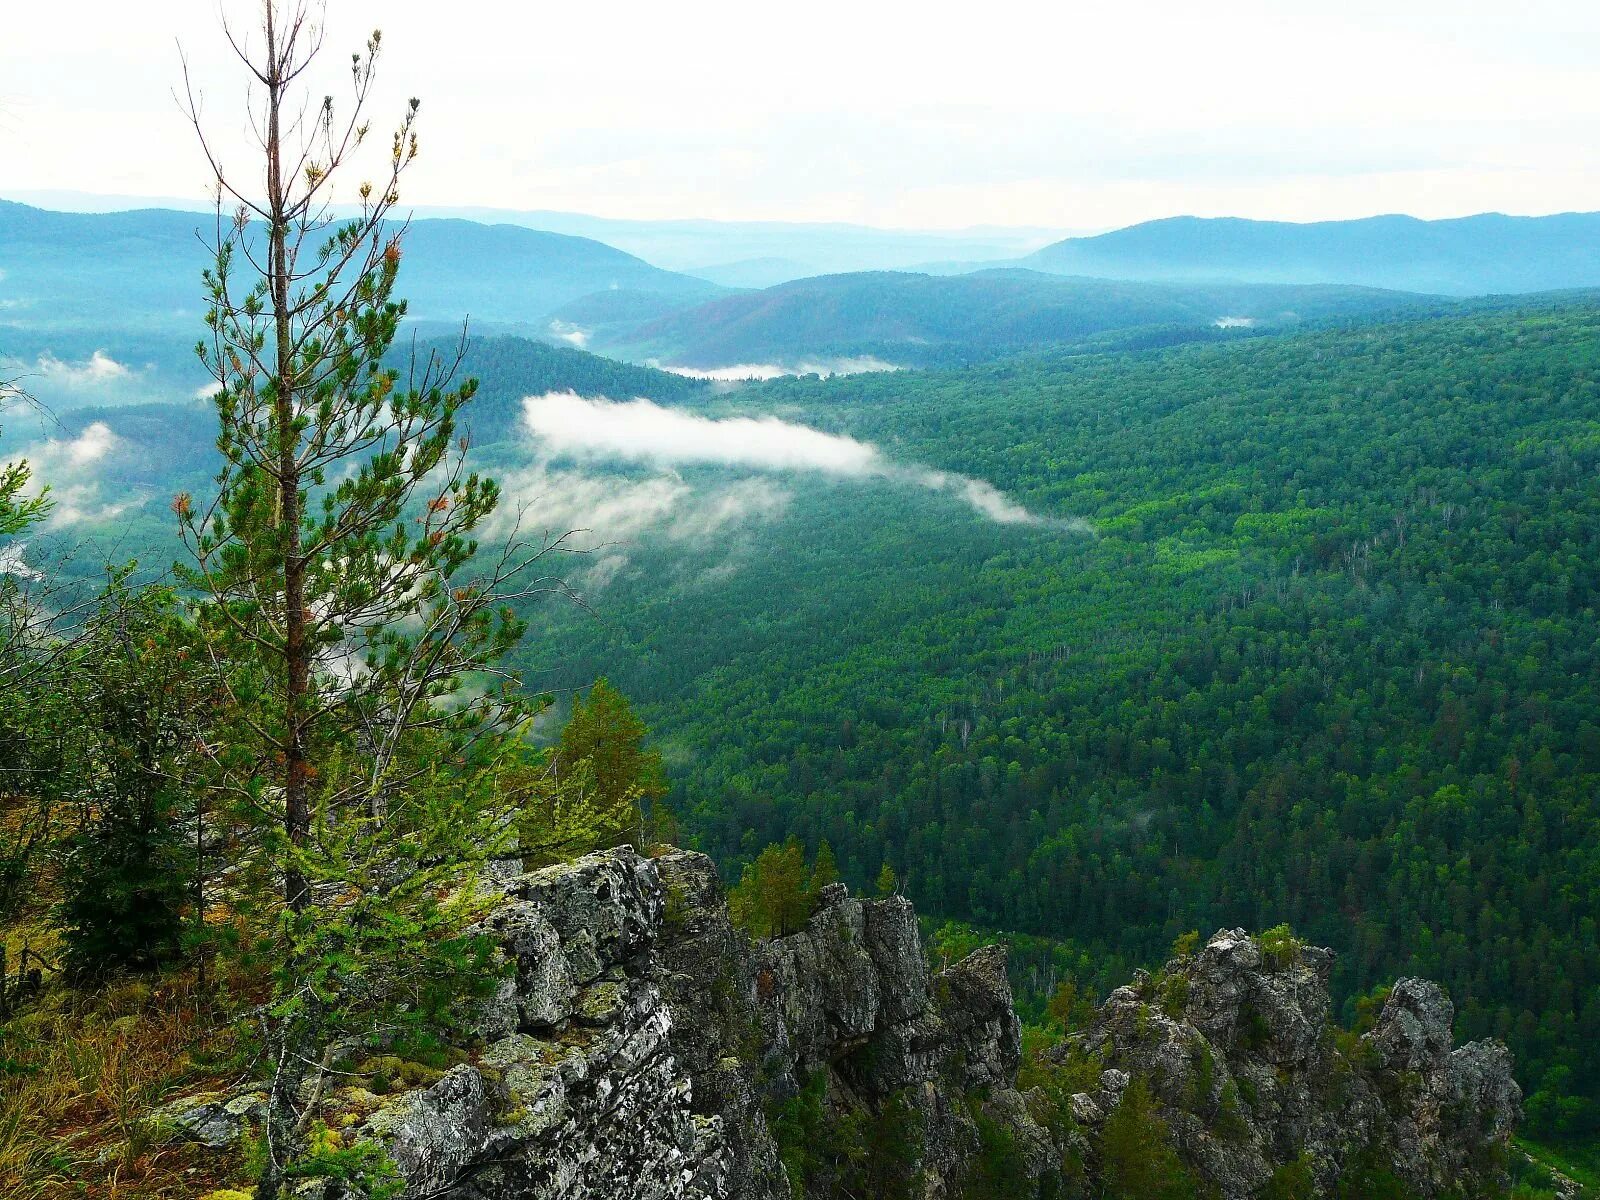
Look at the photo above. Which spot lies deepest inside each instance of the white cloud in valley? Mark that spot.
(95, 371)
(640, 431)
(742, 372)
(73, 469)
(573, 335)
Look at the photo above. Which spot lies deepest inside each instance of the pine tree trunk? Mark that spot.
(296, 805)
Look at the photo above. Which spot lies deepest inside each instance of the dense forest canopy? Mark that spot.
(1331, 657)
(1328, 655)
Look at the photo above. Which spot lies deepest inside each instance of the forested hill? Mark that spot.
(1466, 256)
(508, 369)
(911, 319)
(105, 272)
(1332, 658)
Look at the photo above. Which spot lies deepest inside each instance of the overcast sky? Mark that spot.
(1063, 114)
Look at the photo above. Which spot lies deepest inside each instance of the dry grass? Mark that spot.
(87, 1067)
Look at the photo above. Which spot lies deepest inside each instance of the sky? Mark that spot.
(1065, 115)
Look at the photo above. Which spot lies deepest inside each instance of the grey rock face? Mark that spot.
(638, 1039)
(214, 1119)
(1237, 1050)
(639, 1042)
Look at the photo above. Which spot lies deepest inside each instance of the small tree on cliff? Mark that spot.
(346, 592)
(605, 732)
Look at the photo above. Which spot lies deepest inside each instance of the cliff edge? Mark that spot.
(641, 1047)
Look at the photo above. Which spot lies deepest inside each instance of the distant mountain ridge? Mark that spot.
(1465, 256)
(737, 253)
(913, 319)
(141, 269)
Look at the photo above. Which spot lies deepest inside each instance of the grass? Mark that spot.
(81, 1070)
(1578, 1161)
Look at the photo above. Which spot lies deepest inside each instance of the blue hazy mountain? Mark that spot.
(1480, 255)
(140, 270)
(734, 253)
(913, 319)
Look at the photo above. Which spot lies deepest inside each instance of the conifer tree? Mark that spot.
(141, 698)
(605, 732)
(344, 586)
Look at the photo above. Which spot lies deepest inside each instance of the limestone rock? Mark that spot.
(1236, 1048)
(639, 1041)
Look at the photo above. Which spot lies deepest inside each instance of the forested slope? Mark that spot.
(1331, 659)
(912, 319)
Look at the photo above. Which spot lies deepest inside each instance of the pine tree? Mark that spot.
(605, 732)
(772, 897)
(825, 871)
(141, 693)
(345, 589)
(888, 882)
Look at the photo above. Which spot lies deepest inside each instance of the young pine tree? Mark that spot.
(590, 792)
(141, 693)
(363, 629)
(605, 732)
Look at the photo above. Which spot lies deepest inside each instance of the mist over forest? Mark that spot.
(513, 690)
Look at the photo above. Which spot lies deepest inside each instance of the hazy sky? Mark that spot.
(1064, 114)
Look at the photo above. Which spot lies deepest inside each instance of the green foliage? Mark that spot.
(775, 893)
(826, 869)
(1364, 1180)
(835, 1150)
(999, 1170)
(606, 735)
(1555, 1110)
(887, 883)
(1293, 1180)
(1279, 947)
(1137, 1161)
(1186, 944)
(1070, 1007)
(20, 505)
(798, 1125)
(141, 692)
(561, 813)
(362, 1168)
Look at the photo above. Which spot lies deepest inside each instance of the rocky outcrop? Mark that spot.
(639, 1046)
(1249, 1077)
(848, 1002)
(638, 1042)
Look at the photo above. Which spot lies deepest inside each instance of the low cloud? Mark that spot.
(639, 431)
(603, 515)
(13, 563)
(745, 372)
(96, 370)
(606, 509)
(570, 334)
(72, 468)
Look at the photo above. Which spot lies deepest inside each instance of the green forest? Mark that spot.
(1099, 708)
(1329, 656)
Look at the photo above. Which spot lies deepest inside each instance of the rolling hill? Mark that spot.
(913, 319)
(95, 273)
(1477, 255)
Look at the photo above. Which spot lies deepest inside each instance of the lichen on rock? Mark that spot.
(642, 1047)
